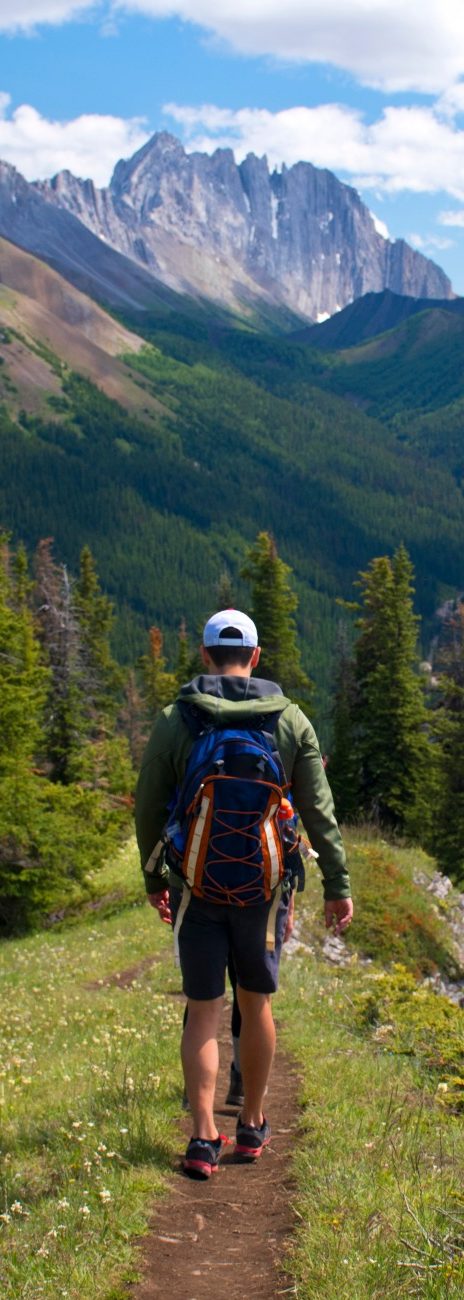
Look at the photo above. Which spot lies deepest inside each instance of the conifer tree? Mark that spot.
(389, 716)
(61, 640)
(133, 719)
(160, 686)
(101, 677)
(225, 595)
(274, 604)
(446, 837)
(343, 765)
(183, 657)
(23, 678)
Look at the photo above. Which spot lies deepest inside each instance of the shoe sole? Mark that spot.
(250, 1153)
(199, 1169)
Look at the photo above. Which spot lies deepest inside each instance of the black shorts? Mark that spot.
(211, 932)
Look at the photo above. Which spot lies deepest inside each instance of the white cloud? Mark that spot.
(452, 218)
(88, 146)
(27, 14)
(384, 43)
(413, 149)
(430, 243)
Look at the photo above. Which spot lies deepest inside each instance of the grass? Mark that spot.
(395, 921)
(89, 1089)
(379, 1171)
(90, 1093)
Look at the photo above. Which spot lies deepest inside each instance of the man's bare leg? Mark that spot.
(200, 1060)
(257, 1046)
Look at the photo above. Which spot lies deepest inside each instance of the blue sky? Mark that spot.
(373, 92)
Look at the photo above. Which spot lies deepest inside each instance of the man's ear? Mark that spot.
(205, 659)
(254, 661)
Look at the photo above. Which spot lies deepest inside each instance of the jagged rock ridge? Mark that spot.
(234, 233)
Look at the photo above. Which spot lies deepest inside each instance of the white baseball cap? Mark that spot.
(245, 633)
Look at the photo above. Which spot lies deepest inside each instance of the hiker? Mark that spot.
(230, 880)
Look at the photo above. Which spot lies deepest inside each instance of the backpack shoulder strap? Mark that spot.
(194, 718)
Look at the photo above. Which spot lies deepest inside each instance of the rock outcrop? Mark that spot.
(206, 225)
(296, 240)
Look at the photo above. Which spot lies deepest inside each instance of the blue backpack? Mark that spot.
(231, 833)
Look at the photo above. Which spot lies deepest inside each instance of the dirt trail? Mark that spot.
(225, 1239)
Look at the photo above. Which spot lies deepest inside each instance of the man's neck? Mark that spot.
(235, 671)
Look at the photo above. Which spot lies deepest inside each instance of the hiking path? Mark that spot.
(226, 1238)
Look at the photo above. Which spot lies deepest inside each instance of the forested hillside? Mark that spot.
(236, 432)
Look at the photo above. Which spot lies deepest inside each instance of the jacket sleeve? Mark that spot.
(313, 799)
(155, 788)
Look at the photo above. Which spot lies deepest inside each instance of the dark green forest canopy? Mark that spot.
(256, 440)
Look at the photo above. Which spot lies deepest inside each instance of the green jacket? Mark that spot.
(234, 701)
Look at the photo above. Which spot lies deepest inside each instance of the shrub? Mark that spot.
(51, 838)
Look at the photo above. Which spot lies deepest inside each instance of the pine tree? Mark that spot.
(160, 686)
(446, 838)
(23, 678)
(183, 657)
(274, 604)
(60, 636)
(225, 595)
(101, 677)
(133, 719)
(343, 764)
(389, 719)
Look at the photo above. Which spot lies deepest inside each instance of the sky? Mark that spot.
(371, 89)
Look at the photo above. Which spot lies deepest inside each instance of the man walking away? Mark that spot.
(229, 886)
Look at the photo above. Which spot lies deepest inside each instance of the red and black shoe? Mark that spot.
(250, 1141)
(202, 1156)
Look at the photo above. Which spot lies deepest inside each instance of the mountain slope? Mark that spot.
(417, 366)
(372, 314)
(240, 235)
(46, 321)
(58, 238)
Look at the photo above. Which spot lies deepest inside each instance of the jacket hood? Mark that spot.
(233, 697)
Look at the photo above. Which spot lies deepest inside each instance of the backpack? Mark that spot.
(231, 833)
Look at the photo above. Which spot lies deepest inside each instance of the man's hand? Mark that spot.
(339, 914)
(290, 918)
(160, 902)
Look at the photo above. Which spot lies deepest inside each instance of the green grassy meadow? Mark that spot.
(90, 1092)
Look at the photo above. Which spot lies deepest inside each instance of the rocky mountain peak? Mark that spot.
(296, 238)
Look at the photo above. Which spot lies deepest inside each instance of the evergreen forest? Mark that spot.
(340, 455)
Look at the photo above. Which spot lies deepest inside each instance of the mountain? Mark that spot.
(218, 431)
(57, 237)
(370, 315)
(240, 235)
(418, 366)
(49, 327)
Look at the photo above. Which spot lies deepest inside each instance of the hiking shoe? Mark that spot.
(202, 1157)
(250, 1141)
(235, 1093)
